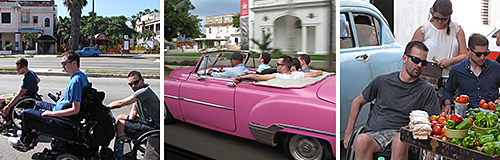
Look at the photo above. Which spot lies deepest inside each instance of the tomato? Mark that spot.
(436, 130)
(462, 99)
(442, 114)
(433, 118)
(443, 132)
(482, 102)
(456, 117)
(440, 125)
(434, 123)
(448, 117)
(492, 106)
(485, 106)
(444, 138)
(442, 120)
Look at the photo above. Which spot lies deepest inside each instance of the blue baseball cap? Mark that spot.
(236, 56)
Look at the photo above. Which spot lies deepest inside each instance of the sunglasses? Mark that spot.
(134, 83)
(279, 64)
(65, 63)
(417, 60)
(441, 19)
(18, 68)
(481, 53)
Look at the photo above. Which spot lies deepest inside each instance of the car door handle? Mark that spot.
(363, 57)
(231, 84)
(201, 78)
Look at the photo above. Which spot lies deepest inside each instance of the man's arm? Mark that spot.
(20, 93)
(38, 80)
(255, 77)
(120, 103)
(133, 112)
(75, 108)
(313, 74)
(356, 106)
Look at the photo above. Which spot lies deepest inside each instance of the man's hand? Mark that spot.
(496, 101)
(5, 111)
(210, 71)
(347, 137)
(237, 80)
(447, 109)
(47, 113)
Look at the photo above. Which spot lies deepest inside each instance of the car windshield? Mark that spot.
(216, 60)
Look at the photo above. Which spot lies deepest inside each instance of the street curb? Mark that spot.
(88, 75)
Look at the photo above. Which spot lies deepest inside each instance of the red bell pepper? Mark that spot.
(471, 120)
(457, 118)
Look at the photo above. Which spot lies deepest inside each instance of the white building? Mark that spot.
(149, 22)
(20, 17)
(299, 26)
(475, 16)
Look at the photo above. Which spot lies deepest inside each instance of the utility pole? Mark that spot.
(92, 29)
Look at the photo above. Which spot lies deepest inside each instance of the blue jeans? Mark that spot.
(36, 114)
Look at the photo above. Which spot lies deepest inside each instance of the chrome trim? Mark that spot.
(218, 78)
(199, 102)
(265, 134)
(308, 130)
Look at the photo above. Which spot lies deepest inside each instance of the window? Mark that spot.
(346, 40)
(485, 15)
(35, 19)
(47, 22)
(6, 17)
(209, 30)
(367, 28)
(157, 27)
(227, 29)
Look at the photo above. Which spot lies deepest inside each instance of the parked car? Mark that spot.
(89, 51)
(366, 51)
(300, 114)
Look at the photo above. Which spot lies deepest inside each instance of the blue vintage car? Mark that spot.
(367, 49)
(89, 51)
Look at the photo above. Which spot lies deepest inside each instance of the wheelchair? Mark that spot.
(75, 139)
(25, 102)
(137, 145)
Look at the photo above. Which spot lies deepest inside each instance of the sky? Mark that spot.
(111, 7)
(205, 8)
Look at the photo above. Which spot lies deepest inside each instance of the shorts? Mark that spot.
(135, 127)
(384, 138)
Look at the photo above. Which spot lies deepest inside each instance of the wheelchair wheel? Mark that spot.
(350, 146)
(140, 144)
(126, 141)
(21, 105)
(67, 156)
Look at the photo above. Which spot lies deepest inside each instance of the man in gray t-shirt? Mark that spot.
(396, 94)
(146, 106)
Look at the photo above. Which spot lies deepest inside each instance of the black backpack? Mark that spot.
(103, 131)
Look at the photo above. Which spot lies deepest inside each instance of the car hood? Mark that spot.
(327, 91)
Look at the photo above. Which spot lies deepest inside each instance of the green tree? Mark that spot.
(63, 30)
(29, 39)
(75, 11)
(178, 19)
(236, 21)
(146, 35)
(114, 28)
(264, 45)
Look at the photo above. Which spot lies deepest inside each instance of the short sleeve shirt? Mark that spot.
(294, 75)
(148, 105)
(30, 83)
(234, 72)
(262, 67)
(74, 90)
(395, 99)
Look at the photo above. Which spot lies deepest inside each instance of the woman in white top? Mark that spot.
(444, 38)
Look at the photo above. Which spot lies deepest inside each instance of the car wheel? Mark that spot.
(168, 118)
(67, 156)
(301, 147)
(95, 55)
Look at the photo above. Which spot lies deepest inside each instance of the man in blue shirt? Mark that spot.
(476, 77)
(238, 67)
(264, 62)
(29, 88)
(67, 106)
(304, 60)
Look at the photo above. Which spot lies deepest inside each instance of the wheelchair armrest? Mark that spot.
(64, 120)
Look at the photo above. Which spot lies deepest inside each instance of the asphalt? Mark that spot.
(60, 72)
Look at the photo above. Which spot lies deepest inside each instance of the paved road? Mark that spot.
(218, 145)
(115, 89)
(141, 62)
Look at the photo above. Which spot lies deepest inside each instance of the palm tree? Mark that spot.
(29, 38)
(264, 46)
(156, 10)
(75, 11)
(147, 11)
(133, 20)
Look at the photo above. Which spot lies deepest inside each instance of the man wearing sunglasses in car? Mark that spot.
(476, 77)
(146, 107)
(396, 94)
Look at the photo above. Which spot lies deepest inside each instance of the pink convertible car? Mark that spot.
(300, 114)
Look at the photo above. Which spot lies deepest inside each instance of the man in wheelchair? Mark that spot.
(29, 88)
(396, 95)
(69, 105)
(146, 105)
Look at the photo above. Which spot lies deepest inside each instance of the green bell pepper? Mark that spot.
(486, 138)
(491, 120)
(450, 124)
(480, 115)
(465, 124)
(480, 122)
(468, 142)
(477, 110)
(489, 149)
(494, 131)
(455, 141)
